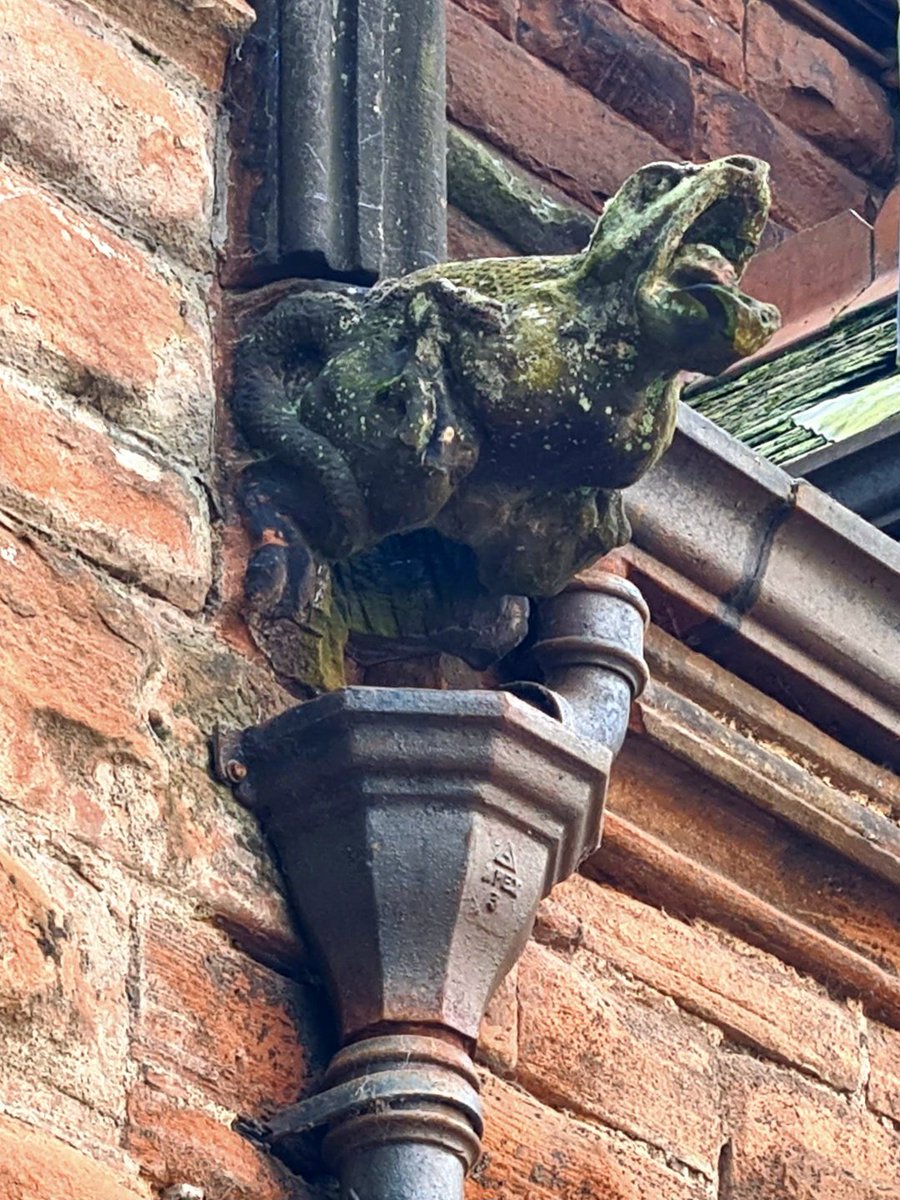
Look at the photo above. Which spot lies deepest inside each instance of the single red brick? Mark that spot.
(104, 316)
(61, 471)
(197, 36)
(467, 239)
(752, 996)
(36, 1166)
(708, 32)
(615, 59)
(218, 1020)
(794, 1140)
(807, 185)
(106, 123)
(884, 1070)
(539, 117)
(175, 1142)
(807, 82)
(233, 550)
(75, 655)
(532, 1152)
(620, 1054)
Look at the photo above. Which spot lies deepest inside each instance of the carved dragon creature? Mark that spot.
(503, 403)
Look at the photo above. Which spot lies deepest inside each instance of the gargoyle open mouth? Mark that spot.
(692, 288)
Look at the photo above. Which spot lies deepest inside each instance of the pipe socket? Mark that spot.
(421, 1137)
(590, 648)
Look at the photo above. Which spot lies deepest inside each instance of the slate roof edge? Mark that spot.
(776, 350)
(775, 580)
(845, 448)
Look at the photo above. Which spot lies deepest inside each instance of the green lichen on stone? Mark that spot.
(503, 403)
(307, 646)
(838, 382)
(481, 184)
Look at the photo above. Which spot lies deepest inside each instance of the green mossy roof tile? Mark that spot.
(836, 383)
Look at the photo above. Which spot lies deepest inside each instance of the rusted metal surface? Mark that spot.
(418, 830)
(403, 1115)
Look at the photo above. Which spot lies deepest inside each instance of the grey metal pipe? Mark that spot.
(418, 831)
(402, 1170)
(590, 651)
(409, 1122)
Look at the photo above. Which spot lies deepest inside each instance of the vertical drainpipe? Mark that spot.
(348, 135)
(418, 830)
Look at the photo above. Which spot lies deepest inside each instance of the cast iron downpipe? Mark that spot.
(590, 651)
(418, 830)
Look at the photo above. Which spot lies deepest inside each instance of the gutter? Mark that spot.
(861, 472)
(773, 579)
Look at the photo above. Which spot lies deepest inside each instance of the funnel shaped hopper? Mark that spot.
(418, 830)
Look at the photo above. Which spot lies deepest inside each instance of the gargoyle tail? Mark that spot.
(274, 366)
(279, 357)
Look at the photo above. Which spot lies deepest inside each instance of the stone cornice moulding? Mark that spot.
(773, 759)
(735, 741)
(639, 861)
(773, 579)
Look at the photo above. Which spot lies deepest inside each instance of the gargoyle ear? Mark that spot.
(624, 220)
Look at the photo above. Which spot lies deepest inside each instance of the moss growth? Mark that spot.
(500, 405)
(771, 405)
(486, 188)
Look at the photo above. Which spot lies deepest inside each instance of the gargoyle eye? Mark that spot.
(657, 179)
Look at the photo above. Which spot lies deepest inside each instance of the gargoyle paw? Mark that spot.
(281, 574)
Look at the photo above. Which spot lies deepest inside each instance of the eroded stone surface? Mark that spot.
(504, 403)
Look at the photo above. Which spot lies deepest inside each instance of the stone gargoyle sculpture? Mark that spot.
(497, 407)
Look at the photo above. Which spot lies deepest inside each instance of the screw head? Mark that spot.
(235, 770)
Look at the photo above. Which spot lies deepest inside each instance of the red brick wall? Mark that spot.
(582, 92)
(122, 998)
(151, 986)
